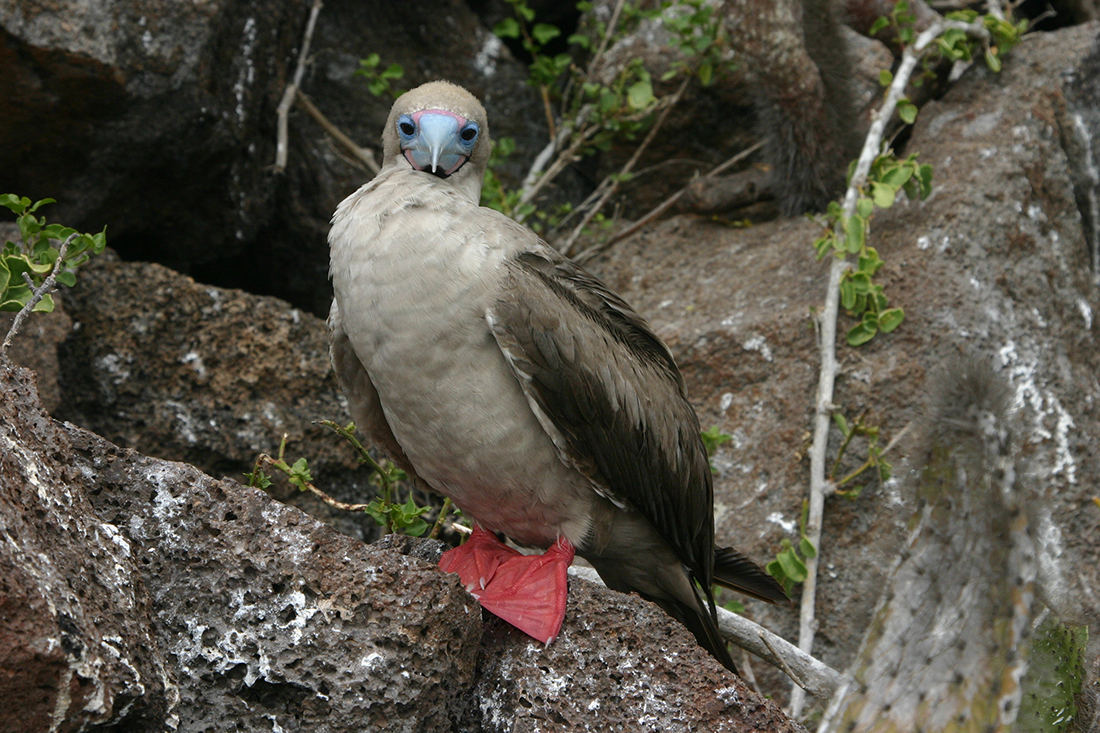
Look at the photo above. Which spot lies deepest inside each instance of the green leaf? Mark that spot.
(883, 194)
(507, 28)
(842, 423)
(879, 24)
(855, 233)
(865, 207)
(13, 202)
(793, 567)
(847, 294)
(885, 78)
(861, 282)
(706, 73)
(775, 570)
(869, 261)
(898, 176)
(907, 112)
(66, 277)
(825, 244)
(544, 32)
(417, 528)
(375, 510)
(712, 438)
(258, 479)
(42, 202)
(807, 548)
(640, 95)
(992, 60)
(299, 474)
(861, 334)
(924, 173)
(890, 319)
(579, 39)
(45, 305)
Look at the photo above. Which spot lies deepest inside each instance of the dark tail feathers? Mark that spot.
(737, 572)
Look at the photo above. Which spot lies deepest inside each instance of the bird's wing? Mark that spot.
(608, 393)
(363, 402)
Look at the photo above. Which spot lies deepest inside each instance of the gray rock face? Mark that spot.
(76, 636)
(269, 615)
(604, 675)
(172, 599)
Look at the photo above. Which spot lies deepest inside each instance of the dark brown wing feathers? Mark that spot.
(642, 447)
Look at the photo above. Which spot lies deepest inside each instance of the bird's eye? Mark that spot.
(406, 127)
(469, 133)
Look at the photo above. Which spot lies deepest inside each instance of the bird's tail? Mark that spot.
(701, 620)
(737, 572)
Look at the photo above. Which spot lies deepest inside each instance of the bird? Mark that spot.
(501, 374)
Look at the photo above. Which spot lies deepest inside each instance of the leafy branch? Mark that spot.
(603, 102)
(874, 458)
(31, 268)
(403, 517)
(995, 37)
(789, 565)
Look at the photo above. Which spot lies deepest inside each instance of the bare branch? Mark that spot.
(362, 154)
(291, 88)
(818, 678)
(266, 460)
(614, 21)
(614, 182)
(662, 207)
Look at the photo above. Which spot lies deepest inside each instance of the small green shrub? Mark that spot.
(35, 257)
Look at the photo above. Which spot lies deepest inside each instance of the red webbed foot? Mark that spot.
(527, 591)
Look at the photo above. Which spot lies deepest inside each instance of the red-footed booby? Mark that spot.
(506, 377)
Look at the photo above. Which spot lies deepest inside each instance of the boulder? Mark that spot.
(141, 593)
(77, 641)
(147, 116)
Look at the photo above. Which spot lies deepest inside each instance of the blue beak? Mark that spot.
(436, 141)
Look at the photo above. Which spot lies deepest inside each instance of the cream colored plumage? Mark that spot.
(507, 378)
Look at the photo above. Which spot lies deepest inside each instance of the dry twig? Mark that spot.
(662, 207)
(291, 89)
(818, 678)
(612, 183)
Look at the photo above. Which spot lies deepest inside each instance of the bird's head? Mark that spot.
(441, 129)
